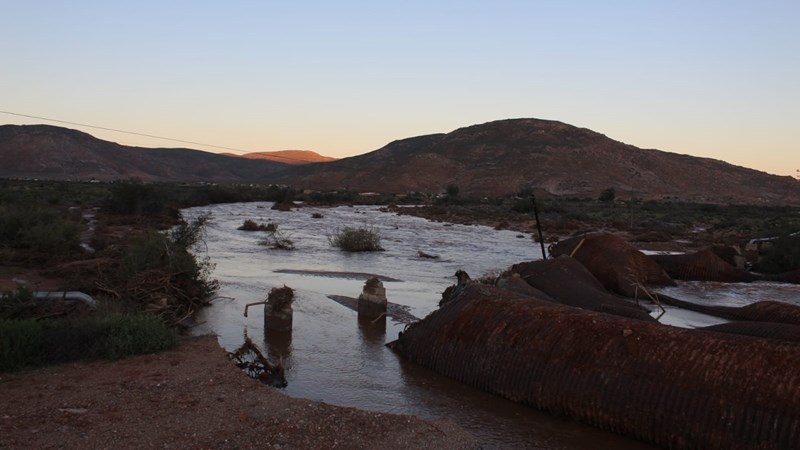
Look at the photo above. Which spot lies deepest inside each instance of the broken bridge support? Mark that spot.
(372, 302)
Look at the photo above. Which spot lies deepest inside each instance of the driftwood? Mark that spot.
(252, 361)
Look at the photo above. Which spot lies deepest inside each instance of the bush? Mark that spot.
(782, 256)
(135, 198)
(608, 195)
(523, 205)
(30, 343)
(357, 240)
(37, 229)
(14, 303)
(251, 225)
(161, 274)
(278, 240)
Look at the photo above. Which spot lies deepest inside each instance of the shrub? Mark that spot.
(135, 198)
(523, 205)
(37, 229)
(357, 240)
(278, 240)
(782, 256)
(161, 274)
(14, 303)
(608, 195)
(249, 225)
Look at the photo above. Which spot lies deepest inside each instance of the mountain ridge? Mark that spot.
(484, 160)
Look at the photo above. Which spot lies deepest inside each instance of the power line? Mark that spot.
(288, 158)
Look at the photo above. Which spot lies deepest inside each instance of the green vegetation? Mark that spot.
(32, 343)
(360, 239)
(782, 255)
(31, 233)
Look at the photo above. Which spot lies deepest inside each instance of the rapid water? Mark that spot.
(330, 357)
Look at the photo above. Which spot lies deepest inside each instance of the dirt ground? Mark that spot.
(191, 397)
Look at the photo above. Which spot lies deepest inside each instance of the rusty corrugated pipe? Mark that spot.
(673, 387)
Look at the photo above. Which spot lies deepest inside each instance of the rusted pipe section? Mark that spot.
(66, 295)
(770, 330)
(702, 266)
(673, 387)
(619, 266)
(568, 282)
(248, 305)
(765, 311)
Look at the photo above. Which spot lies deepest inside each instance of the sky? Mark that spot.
(716, 79)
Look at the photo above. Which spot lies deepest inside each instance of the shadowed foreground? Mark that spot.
(192, 397)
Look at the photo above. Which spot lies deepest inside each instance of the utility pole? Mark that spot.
(538, 225)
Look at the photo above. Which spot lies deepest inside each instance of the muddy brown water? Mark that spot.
(330, 356)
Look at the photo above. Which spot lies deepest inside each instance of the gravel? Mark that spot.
(191, 397)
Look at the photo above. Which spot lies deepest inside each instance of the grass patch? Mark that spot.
(360, 239)
(34, 343)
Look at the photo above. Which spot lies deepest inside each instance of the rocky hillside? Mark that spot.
(506, 156)
(43, 151)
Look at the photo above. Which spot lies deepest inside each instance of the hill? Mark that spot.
(486, 160)
(293, 157)
(44, 151)
(506, 156)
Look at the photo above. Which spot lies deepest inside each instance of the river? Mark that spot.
(330, 357)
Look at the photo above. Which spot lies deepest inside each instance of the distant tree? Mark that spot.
(608, 195)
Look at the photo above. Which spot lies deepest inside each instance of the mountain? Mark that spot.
(43, 151)
(491, 159)
(293, 157)
(505, 156)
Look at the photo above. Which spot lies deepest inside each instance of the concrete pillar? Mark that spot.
(278, 309)
(372, 301)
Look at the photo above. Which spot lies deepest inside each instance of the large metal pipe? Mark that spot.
(66, 295)
(673, 387)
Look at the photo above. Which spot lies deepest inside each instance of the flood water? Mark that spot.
(331, 357)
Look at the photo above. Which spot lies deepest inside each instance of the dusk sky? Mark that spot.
(715, 79)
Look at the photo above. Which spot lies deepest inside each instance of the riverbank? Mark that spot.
(191, 397)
